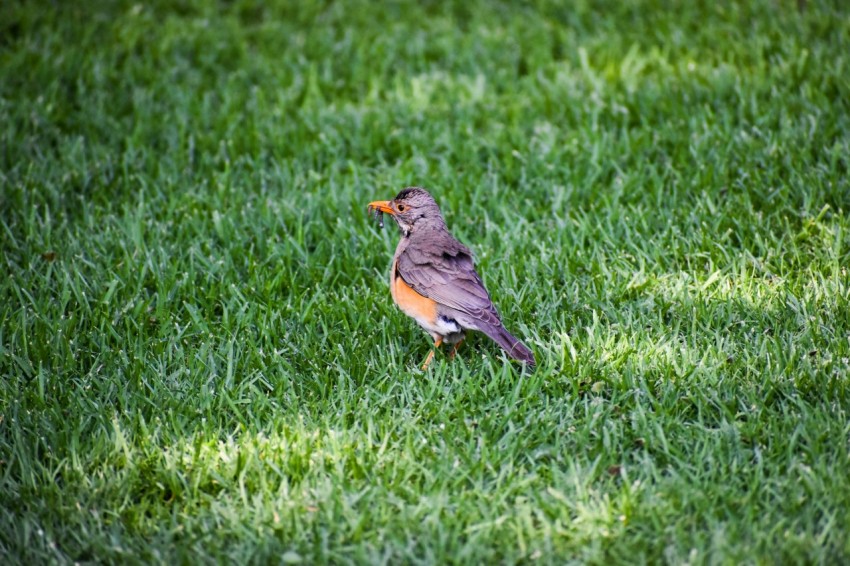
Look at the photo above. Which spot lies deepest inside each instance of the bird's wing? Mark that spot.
(442, 269)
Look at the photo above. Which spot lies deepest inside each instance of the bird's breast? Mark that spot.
(420, 308)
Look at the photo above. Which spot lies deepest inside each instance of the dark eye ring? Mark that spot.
(401, 208)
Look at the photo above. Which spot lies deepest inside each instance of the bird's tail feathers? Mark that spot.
(510, 344)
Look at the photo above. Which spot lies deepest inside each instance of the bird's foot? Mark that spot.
(430, 357)
(428, 360)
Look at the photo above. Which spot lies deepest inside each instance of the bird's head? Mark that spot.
(410, 208)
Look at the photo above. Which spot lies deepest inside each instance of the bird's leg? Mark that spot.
(430, 357)
(453, 353)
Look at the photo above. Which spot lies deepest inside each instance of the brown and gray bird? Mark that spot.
(433, 279)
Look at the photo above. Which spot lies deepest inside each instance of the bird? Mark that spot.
(433, 278)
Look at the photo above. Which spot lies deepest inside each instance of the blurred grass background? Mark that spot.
(200, 359)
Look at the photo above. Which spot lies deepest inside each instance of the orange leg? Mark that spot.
(430, 357)
(453, 353)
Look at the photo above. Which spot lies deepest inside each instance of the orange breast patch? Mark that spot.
(423, 309)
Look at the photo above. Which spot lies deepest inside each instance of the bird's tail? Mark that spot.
(510, 344)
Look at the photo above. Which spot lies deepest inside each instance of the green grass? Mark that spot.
(199, 357)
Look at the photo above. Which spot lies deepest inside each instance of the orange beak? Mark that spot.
(382, 205)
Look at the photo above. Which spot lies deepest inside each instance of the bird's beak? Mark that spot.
(381, 205)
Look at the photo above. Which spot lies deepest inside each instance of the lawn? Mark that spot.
(199, 358)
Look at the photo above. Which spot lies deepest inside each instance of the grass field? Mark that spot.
(200, 359)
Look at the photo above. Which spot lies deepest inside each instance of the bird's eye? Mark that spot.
(401, 208)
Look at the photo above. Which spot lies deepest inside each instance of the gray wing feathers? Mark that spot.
(449, 277)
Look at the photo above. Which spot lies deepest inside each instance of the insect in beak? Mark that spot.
(379, 207)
